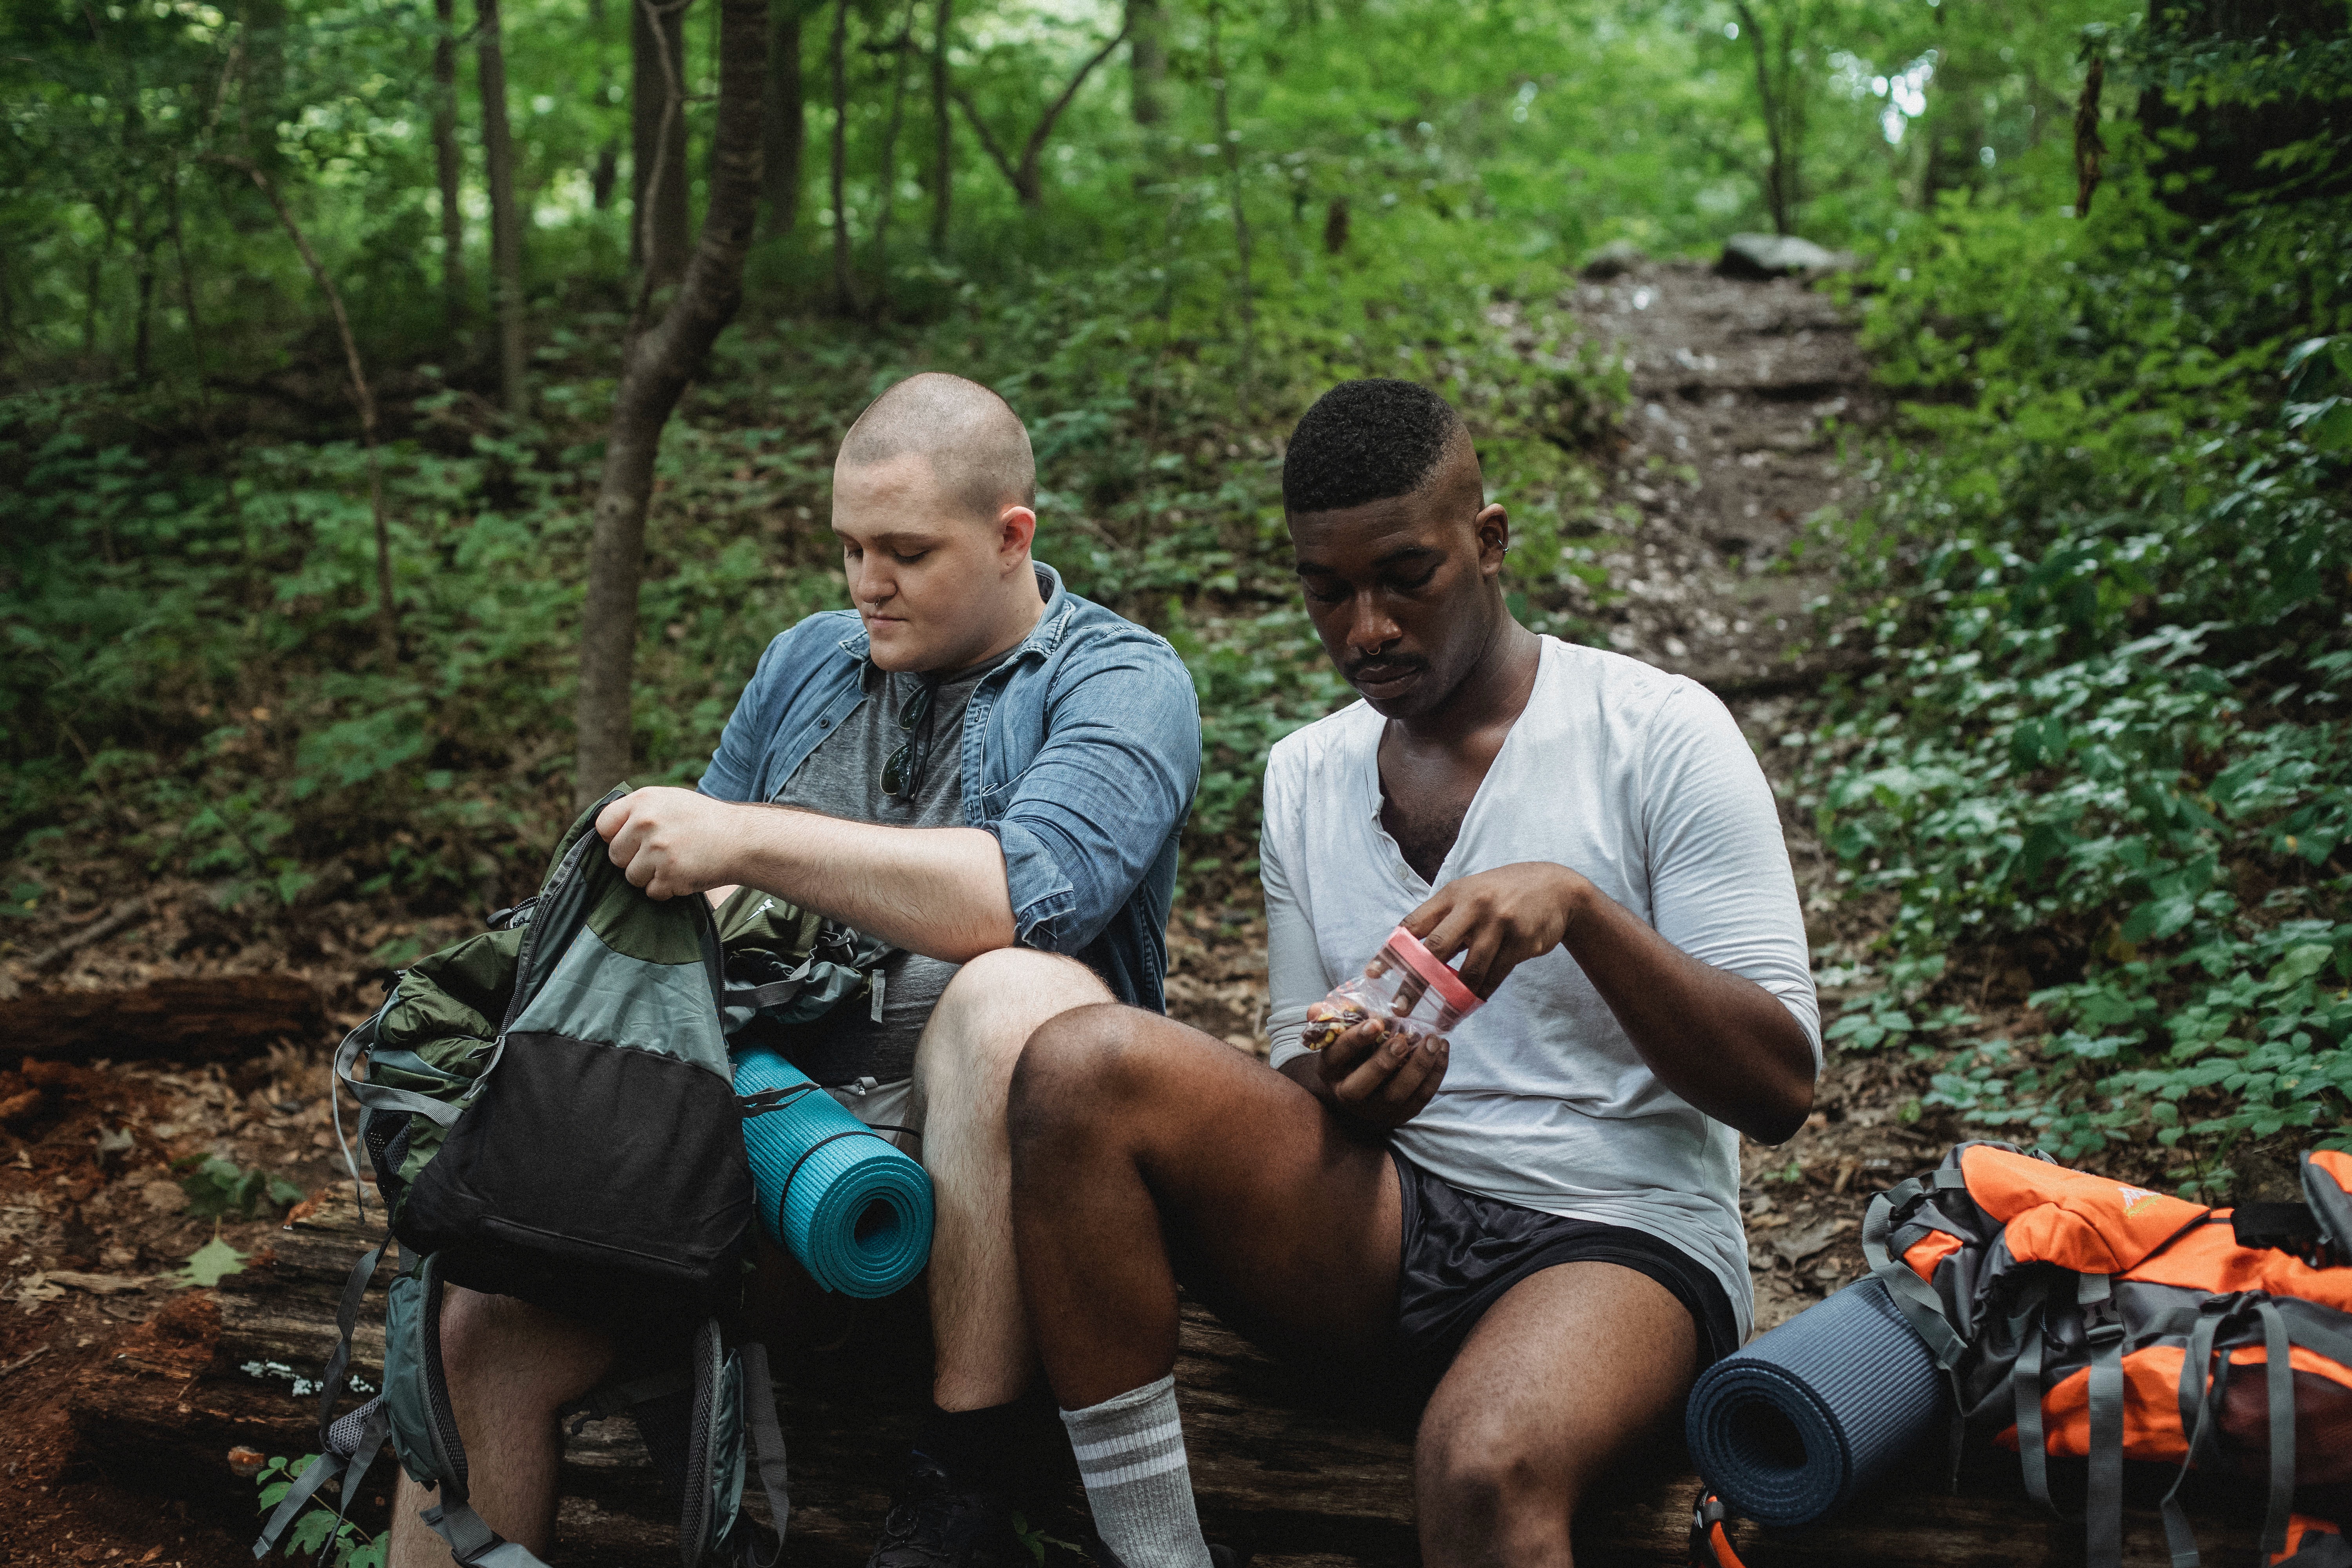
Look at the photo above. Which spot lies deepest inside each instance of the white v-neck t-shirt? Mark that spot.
(1640, 781)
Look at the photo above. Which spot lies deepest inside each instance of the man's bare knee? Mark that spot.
(1489, 1486)
(1076, 1067)
(530, 1360)
(990, 1007)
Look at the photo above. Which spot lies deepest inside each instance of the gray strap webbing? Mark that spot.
(774, 991)
(347, 1319)
(323, 1468)
(1923, 1310)
(2025, 1390)
(767, 1441)
(2279, 1374)
(2314, 1328)
(2197, 1420)
(2103, 1504)
(473, 1543)
(383, 1097)
(1912, 1296)
(372, 1441)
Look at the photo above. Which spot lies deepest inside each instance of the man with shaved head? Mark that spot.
(988, 773)
(1533, 1224)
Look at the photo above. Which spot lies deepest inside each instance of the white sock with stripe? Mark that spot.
(1130, 1451)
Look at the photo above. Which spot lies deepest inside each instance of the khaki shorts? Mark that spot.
(884, 1105)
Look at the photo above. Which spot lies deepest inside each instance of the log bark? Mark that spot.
(655, 366)
(1283, 1466)
(205, 1019)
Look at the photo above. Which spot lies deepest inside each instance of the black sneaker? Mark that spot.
(933, 1525)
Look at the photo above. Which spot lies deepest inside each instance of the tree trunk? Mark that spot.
(898, 56)
(942, 126)
(785, 120)
(658, 245)
(845, 293)
(2089, 151)
(1283, 1464)
(1779, 177)
(143, 332)
(447, 164)
(1147, 61)
(606, 171)
(655, 365)
(1222, 99)
(1027, 177)
(506, 219)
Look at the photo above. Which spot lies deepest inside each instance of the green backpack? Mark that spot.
(549, 1110)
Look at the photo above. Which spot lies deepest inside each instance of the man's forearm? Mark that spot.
(937, 892)
(1723, 1042)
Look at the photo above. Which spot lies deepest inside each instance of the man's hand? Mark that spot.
(1380, 1083)
(672, 841)
(1498, 919)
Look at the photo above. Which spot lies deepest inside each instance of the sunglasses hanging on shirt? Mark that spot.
(902, 776)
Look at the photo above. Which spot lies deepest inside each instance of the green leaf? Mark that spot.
(208, 1265)
(309, 1532)
(2299, 964)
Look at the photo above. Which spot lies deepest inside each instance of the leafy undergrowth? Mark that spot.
(2102, 768)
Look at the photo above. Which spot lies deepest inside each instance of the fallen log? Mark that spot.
(196, 1018)
(1280, 1466)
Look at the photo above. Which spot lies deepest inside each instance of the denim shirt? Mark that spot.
(1081, 752)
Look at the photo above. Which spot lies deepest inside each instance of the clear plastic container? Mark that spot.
(1404, 987)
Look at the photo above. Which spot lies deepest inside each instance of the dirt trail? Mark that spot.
(1740, 390)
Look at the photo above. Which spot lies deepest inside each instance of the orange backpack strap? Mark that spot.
(1710, 1533)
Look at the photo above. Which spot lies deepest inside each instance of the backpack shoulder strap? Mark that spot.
(767, 1436)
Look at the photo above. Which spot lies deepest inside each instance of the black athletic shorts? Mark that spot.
(1463, 1251)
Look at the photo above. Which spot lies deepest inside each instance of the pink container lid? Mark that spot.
(1441, 977)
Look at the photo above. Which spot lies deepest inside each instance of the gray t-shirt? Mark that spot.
(843, 778)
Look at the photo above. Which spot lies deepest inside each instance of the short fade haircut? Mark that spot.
(975, 442)
(1366, 441)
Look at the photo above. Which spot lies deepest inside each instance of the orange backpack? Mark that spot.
(2081, 1317)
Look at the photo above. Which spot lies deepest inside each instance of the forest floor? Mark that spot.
(1741, 389)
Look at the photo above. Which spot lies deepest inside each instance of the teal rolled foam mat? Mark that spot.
(854, 1211)
(1790, 1428)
